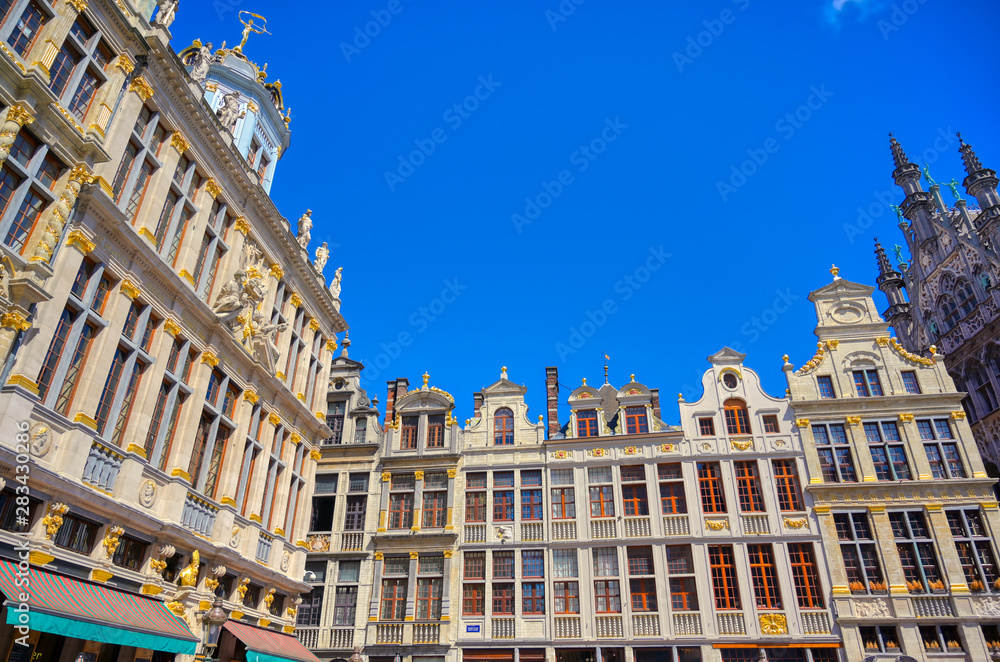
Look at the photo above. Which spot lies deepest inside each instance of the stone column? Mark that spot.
(49, 230)
(373, 611)
(384, 501)
(411, 587)
(15, 117)
(449, 523)
(951, 565)
(866, 467)
(418, 493)
(446, 587)
(914, 447)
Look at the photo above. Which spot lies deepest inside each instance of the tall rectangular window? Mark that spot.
(764, 576)
(975, 549)
(635, 420)
(866, 383)
(563, 503)
(435, 431)
(910, 384)
(634, 499)
(942, 451)
(586, 423)
(710, 487)
(672, 499)
(721, 562)
(786, 483)
(682, 584)
(825, 385)
(408, 440)
(642, 585)
(805, 575)
(916, 551)
(859, 551)
(533, 563)
(393, 599)
(748, 487)
(835, 459)
(887, 450)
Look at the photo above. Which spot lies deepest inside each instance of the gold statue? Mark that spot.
(249, 26)
(189, 575)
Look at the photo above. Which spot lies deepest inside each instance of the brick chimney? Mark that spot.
(656, 402)
(477, 401)
(552, 398)
(396, 389)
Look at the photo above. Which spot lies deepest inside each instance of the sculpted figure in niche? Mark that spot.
(305, 225)
(229, 113)
(167, 13)
(202, 61)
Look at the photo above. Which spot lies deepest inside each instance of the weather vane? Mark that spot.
(249, 26)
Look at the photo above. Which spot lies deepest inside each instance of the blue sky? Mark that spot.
(537, 183)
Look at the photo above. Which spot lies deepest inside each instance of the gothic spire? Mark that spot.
(884, 266)
(898, 155)
(969, 158)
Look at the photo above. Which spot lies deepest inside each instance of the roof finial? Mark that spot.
(632, 377)
(606, 359)
(834, 270)
(898, 155)
(884, 266)
(969, 158)
(503, 372)
(427, 378)
(584, 381)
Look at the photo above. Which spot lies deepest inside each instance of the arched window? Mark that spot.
(966, 298)
(503, 427)
(737, 418)
(986, 395)
(949, 311)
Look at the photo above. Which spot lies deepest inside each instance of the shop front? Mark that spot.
(49, 617)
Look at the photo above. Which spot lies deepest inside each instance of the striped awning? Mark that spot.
(80, 609)
(269, 646)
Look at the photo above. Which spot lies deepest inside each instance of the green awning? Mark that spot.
(93, 612)
(107, 634)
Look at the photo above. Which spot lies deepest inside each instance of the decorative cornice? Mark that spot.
(209, 357)
(277, 271)
(179, 142)
(331, 344)
(314, 454)
(295, 300)
(212, 187)
(815, 361)
(296, 438)
(14, 320)
(242, 225)
(79, 5)
(274, 419)
(130, 290)
(78, 239)
(172, 327)
(314, 324)
(18, 113)
(250, 396)
(141, 87)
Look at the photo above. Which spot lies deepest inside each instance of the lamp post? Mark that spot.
(212, 623)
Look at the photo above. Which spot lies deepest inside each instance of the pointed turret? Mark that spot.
(891, 283)
(980, 182)
(919, 204)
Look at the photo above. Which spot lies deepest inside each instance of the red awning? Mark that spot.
(270, 642)
(103, 612)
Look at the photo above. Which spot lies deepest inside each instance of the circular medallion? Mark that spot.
(147, 493)
(41, 439)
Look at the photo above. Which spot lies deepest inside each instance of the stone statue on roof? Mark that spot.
(167, 13)
(898, 251)
(335, 285)
(202, 61)
(927, 176)
(953, 186)
(305, 225)
(322, 255)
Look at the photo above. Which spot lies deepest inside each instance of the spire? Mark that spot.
(898, 155)
(969, 158)
(884, 266)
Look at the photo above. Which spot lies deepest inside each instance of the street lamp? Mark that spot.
(212, 622)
